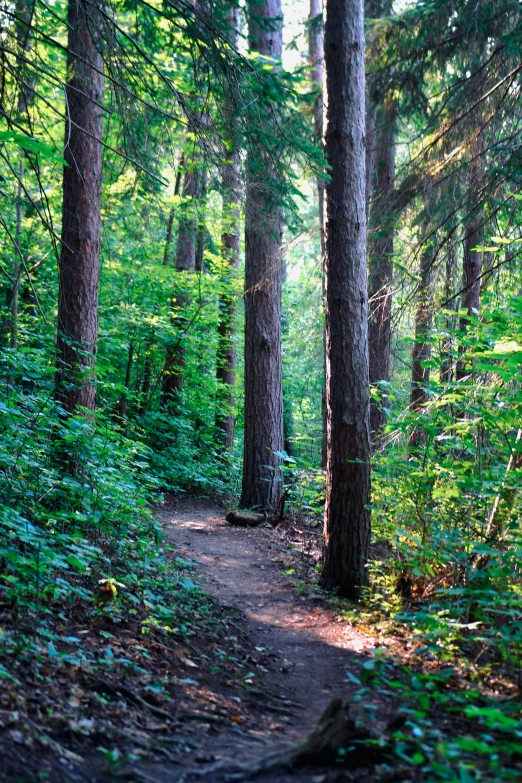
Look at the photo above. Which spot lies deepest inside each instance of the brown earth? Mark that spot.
(270, 656)
(304, 650)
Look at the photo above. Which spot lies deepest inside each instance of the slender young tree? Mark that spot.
(316, 59)
(261, 485)
(380, 255)
(380, 181)
(450, 305)
(226, 352)
(472, 259)
(347, 517)
(230, 241)
(24, 11)
(82, 179)
(420, 374)
(474, 230)
(186, 253)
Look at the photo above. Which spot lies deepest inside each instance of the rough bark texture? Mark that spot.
(226, 352)
(201, 236)
(473, 236)
(316, 59)
(17, 267)
(230, 243)
(82, 179)
(450, 303)
(261, 486)
(174, 366)
(420, 375)
(347, 518)
(186, 251)
(170, 221)
(473, 233)
(288, 413)
(188, 222)
(24, 10)
(380, 254)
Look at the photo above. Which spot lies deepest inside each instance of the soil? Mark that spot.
(305, 650)
(270, 656)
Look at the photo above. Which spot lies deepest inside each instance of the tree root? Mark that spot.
(336, 733)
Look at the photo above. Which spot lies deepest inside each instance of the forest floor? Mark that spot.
(249, 673)
(299, 650)
(229, 663)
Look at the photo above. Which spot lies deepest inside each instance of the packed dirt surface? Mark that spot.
(302, 652)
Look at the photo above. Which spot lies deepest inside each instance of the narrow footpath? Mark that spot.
(306, 652)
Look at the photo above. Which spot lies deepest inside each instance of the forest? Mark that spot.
(260, 391)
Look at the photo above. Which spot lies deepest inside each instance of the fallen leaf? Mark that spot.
(188, 662)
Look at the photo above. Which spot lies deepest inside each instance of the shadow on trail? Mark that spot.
(304, 652)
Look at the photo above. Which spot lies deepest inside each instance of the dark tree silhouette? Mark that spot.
(347, 518)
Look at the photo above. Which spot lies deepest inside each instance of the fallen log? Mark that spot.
(242, 518)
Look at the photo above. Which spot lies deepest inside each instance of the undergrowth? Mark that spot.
(78, 538)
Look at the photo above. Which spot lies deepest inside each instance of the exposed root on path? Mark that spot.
(335, 735)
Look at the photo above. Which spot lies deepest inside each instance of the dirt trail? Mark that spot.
(308, 653)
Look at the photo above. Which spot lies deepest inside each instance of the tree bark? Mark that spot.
(189, 217)
(226, 351)
(347, 518)
(147, 376)
(316, 59)
(474, 230)
(420, 375)
(288, 413)
(450, 299)
(172, 215)
(24, 10)
(380, 256)
(82, 179)
(230, 244)
(186, 250)
(261, 485)
(201, 236)
(17, 267)
(473, 236)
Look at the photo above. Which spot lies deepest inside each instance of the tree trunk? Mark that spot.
(450, 303)
(230, 243)
(24, 10)
(122, 405)
(347, 518)
(82, 178)
(316, 58)
(474, 231)
(288, 413)
(186, 250)
(189, 218)
(420, 375)
(380, 285)
(261, 486)
(17, 268)
(201, 236)
(473, 236)
(172, 215)
(147, 377)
